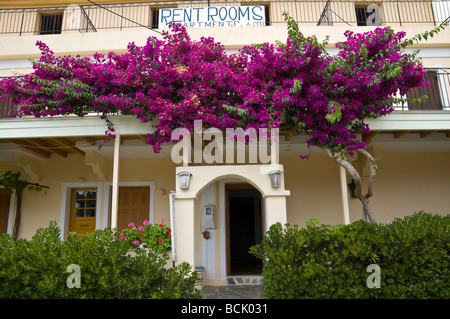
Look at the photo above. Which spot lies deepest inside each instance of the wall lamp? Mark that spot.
(275, 178)
(184, 179)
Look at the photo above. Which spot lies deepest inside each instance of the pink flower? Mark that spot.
(141, 228)
(146, 222)
(162, 220)
(131, 225)
(136, 242)
(122, 235)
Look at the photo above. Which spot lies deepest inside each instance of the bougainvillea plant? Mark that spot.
(172, 81)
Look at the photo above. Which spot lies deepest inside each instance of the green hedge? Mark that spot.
(40, 268)
(332, 261)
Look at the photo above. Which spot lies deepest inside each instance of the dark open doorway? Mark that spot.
(244, 228)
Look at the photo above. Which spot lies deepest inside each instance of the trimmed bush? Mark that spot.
(41, 268)
(337, 261)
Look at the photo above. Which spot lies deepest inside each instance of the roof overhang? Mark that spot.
(70, 134)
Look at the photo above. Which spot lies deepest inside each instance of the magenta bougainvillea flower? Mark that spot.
(172, 81)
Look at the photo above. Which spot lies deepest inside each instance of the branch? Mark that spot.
(33, 184)
(339, 158)
(373, 171)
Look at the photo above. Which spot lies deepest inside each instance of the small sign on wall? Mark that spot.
(221, 16)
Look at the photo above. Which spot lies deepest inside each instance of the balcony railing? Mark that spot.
(92, 18)
(438, 95)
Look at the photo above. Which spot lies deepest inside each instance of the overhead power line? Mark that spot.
(123, 17)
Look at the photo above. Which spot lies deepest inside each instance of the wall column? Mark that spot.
(184, 230)
(115, 184)
(274, 211)
(344, 195)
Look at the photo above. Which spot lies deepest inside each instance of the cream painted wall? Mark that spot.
(160, 170)
(405, 183)
(314, 186)
(408, 183)
(38, 208)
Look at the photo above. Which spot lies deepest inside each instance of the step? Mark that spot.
(245, 280)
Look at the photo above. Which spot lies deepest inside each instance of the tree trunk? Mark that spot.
(18, 213)
(351, 170)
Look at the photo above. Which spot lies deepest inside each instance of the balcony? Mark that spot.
(120, 16)
(437, 95)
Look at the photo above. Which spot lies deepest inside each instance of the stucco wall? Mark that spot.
(408, 183)
(405, 183)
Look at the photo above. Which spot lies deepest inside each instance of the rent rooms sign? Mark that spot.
(213, 16)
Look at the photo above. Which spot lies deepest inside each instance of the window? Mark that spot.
(83, 210)
(434, 101)
(154, 15)
(367, 14)
(51, 22)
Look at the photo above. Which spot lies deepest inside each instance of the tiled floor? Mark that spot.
(233, 292)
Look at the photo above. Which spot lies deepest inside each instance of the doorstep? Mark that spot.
(245, 280)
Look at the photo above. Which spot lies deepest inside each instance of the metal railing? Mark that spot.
(6, 107)
(119, 16)
(438, 95)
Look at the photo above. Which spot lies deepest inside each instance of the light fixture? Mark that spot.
(275, 178)
(184, 179)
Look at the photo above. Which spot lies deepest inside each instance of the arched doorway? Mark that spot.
(188, 208)
(244, 228)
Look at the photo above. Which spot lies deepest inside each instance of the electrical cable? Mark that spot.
(141, 25)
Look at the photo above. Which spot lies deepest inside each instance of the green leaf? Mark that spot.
(334, 114)
(297, 87)
(301, 125)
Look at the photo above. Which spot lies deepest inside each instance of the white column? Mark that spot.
(274, 211)
(344, 195)
(184, 237)
(115, 185)
(209, 245)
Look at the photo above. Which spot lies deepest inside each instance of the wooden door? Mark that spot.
(83, 210)
(133, 207)
(5, 199)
